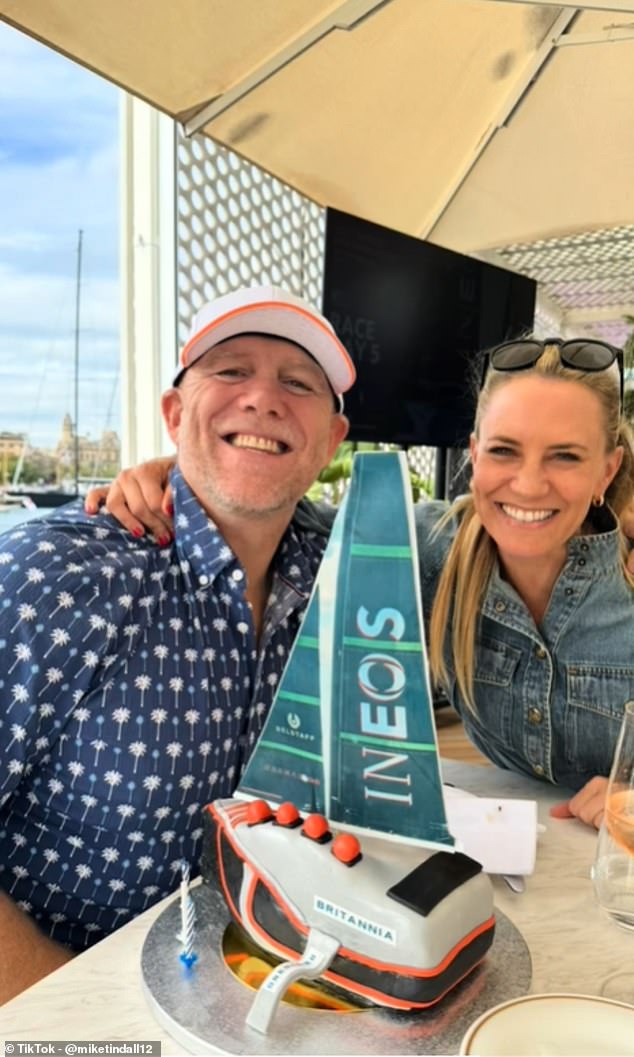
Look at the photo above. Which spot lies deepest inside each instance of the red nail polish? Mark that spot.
(138, 532)
(163, 541)
(169, 509)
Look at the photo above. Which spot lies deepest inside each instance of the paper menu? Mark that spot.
(500, 833)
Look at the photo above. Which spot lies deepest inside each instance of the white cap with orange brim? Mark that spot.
(273, 311)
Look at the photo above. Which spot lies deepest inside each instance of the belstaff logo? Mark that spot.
(293, 728)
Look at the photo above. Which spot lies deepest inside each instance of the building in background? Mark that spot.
(97, 458)
(21, 464)
(11, 446)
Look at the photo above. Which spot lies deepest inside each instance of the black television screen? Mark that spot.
(415, 318)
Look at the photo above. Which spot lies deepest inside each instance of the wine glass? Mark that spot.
(613, 870)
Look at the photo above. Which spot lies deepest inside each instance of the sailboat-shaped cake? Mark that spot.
(335, 853)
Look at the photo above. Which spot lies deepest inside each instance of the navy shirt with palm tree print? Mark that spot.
(132, 691)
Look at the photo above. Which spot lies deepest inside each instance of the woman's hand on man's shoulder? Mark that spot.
(140, 498)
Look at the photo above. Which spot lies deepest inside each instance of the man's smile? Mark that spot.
(254, 443)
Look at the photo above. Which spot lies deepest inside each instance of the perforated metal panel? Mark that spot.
(238, 226)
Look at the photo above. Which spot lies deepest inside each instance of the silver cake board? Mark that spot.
(204, 1008)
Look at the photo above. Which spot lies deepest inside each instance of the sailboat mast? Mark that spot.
(77, 306)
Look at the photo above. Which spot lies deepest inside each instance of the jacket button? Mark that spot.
(570, 591)
(535, 716)
(540, 652)
(538, 770)
(582, 561)
(500, 606)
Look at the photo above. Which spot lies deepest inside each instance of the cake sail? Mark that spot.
(351, 732)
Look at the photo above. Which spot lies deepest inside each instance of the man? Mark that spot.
(137, 678)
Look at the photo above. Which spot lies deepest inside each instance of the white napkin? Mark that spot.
(501, 834)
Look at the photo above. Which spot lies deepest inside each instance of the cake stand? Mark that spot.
(204, 1008)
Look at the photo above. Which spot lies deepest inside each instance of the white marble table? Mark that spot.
(573, 946)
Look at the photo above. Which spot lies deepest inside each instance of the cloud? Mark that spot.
(73, 104)
(59, 158)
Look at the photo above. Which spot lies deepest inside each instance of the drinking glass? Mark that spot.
(613, 869)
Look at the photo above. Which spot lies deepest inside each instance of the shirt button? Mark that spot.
(237, 575)
(582, 561)
(538, 770)
(583, 547)
(540, 652)
(570, 591)
(500, 606)
(535, 716)
(203, 580)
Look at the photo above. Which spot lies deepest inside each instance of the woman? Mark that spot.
(529, 570)
(532, 574)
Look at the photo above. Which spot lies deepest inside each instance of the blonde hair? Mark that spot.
(472, 555)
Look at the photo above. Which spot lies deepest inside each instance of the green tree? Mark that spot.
(333, 479)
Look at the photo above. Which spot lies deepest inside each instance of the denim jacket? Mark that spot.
(549, 698)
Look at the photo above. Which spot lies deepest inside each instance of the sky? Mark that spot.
(59, 173)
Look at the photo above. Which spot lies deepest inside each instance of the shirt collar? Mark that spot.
(598, 550)
(203, 550)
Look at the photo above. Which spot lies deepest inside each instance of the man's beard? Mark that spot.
(217, 500)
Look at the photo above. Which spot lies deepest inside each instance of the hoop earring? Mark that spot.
(598, 500)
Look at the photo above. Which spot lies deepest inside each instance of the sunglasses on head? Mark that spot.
(579, 354)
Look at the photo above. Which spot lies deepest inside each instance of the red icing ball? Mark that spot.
(315, 827)
(258, 811)
(346, 848)
(287, 814)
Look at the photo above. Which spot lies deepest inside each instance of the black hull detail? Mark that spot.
(45, 499)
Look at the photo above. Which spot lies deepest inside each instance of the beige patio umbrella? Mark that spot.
(480, 122)
(476, 123)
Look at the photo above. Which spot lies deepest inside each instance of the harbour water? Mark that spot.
(17, 515)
